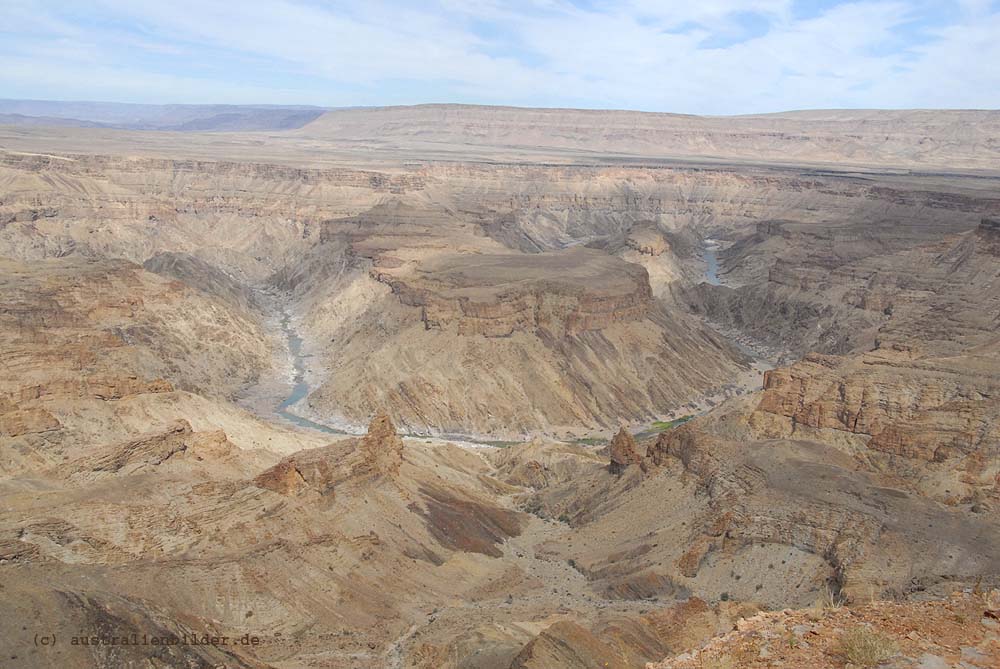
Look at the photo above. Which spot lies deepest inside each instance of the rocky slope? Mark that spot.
(960, 631)
(496, 288)
(95, 350)
(84, 323)
(505, 344)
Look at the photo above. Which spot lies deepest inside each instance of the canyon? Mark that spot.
(455, 386)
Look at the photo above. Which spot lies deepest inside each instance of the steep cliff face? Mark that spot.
(249, 219)
(930, 421)
(918, 391)
(841, 287)
(205, 277)
(647, 240)
(513, 377)
(988, 236)
(562, 293)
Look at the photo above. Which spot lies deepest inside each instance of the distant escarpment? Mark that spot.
(864, 137)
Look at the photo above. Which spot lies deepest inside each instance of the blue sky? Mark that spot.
(701, 57)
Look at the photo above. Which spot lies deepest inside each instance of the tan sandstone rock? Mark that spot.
(381, 447)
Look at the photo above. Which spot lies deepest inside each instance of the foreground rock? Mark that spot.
(957, 631)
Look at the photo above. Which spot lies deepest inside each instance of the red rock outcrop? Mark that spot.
(378, 454)
(108, 329)
(284, 478)
(567, 644)
(170, 444)
(938, 633)
(317, 469)
(624, 452)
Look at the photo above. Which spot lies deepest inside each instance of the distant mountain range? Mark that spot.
(177, 118)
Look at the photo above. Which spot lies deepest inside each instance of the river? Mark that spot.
(711, 256)
(300, 389)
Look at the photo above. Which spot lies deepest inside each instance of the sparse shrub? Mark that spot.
(830, 599)
(724, 597)
(865, 647)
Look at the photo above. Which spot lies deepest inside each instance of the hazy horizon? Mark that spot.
(292, 105)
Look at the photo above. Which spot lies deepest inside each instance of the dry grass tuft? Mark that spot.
(865, 647)
(830, 599)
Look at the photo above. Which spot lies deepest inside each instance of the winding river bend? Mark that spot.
(300, 390)
(300, 387)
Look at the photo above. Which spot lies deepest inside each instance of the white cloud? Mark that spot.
(644, 54)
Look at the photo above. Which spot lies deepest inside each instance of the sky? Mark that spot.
(697, 56)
